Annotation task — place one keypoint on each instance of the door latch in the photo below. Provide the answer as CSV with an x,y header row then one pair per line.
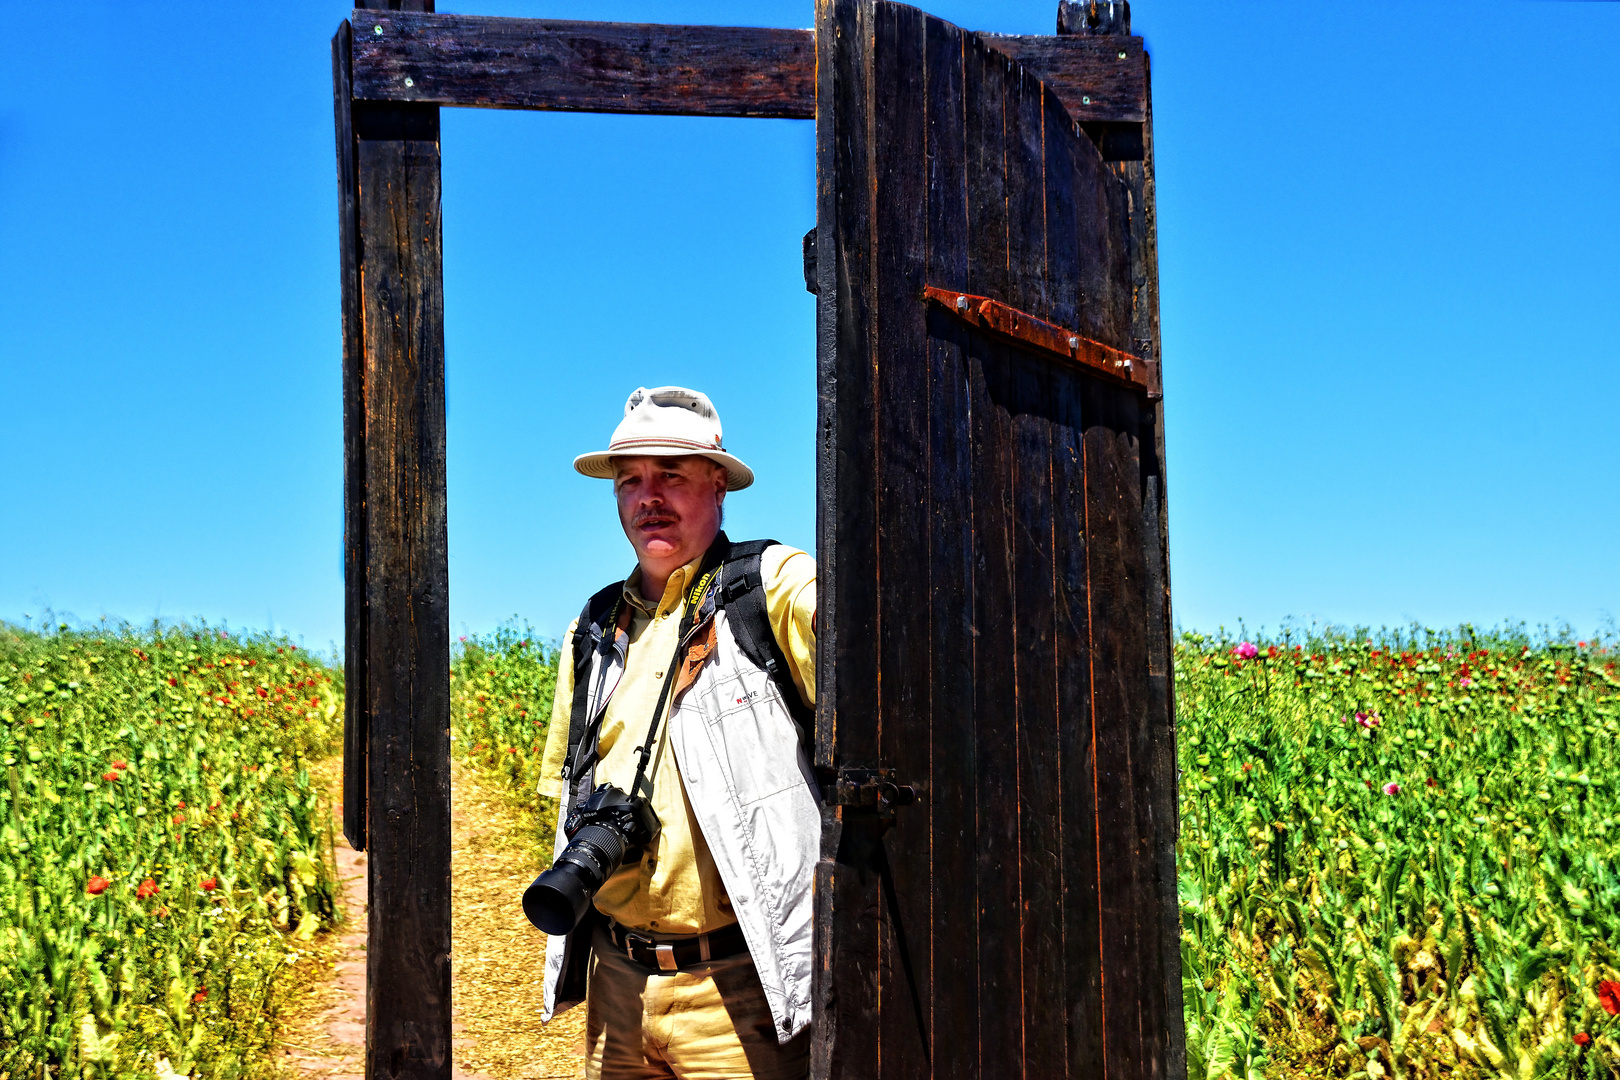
x,y
873,790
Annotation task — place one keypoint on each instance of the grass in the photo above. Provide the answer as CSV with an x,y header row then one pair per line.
x,y
1398,856
163,852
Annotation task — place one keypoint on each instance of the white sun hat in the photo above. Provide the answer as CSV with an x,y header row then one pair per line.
x,y
667,421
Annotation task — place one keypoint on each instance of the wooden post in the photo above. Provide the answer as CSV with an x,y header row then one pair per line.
x,y
397,775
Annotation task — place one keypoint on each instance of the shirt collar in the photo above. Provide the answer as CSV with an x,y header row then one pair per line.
x,y
674,589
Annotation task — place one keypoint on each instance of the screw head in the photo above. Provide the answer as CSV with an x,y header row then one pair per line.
x,y
1074,343
409,81
961,303
1085,101
1122,56
376,30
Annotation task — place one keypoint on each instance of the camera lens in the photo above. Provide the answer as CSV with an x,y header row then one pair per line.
x,y
559,898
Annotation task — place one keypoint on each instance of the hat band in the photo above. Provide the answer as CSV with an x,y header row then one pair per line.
x,y
702,448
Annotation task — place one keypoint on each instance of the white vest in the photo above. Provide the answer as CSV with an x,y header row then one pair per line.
x,y
754,795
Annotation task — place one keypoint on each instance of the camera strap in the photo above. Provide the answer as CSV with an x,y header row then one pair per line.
x,y
695,603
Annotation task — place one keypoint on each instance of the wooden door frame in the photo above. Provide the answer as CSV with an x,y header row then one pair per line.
x,y
395,63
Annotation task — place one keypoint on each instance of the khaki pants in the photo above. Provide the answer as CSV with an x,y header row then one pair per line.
x,y
706,1022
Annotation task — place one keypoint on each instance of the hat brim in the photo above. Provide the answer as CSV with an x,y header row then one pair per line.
x,y
600,466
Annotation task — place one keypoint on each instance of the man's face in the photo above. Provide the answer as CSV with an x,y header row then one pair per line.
x,y
669,507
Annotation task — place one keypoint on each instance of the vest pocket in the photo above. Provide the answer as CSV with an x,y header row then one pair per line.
x,y
753,736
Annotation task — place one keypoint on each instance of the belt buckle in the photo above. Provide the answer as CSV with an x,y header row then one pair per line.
x,y
666,958
633,939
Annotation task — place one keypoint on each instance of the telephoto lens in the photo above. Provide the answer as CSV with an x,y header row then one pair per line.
x,y
610,827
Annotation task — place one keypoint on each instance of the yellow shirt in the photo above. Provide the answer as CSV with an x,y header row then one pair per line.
x,y
675,888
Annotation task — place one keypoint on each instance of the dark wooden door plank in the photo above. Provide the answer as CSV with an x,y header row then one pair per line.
x,y
953,788
507,63
1040,779
848,893
900,362
1118,651
1071,649
1001,1035
985,131
1025,189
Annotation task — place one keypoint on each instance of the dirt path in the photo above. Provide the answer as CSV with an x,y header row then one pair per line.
x,y
497,968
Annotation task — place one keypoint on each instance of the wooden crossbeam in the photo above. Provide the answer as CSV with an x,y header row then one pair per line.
x,y
503,63
549,64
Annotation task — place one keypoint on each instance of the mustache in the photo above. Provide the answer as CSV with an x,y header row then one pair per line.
x,y
644,516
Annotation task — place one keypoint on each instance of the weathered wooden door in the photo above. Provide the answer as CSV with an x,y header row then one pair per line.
x,y
994,621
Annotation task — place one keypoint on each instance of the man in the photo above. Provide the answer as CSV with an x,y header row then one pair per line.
x,y
699,965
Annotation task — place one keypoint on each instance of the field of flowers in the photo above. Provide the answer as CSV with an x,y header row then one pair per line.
x,y
164,854
501,687
1399,857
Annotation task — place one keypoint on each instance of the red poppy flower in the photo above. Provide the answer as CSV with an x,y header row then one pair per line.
x,y
1608,993
96,885
202,993
111,777
263,692
173,683
146,889
209,884
179,819
1582,1038
182,804
120,764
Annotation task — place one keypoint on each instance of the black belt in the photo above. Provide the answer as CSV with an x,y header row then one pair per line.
x,y
680,952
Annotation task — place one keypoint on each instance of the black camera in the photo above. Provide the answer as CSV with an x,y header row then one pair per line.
x,y
605,831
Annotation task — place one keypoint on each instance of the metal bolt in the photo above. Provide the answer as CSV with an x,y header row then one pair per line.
x,y
1122,56
961,303
409,81
1074,343
1085,101
376,30
1127,367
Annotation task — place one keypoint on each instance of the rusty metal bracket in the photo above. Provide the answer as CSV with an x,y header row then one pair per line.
x,y
1060,342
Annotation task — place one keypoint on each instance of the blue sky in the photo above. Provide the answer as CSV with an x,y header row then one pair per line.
x,y
1387,258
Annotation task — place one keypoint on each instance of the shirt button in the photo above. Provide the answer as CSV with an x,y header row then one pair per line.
x,y
658,674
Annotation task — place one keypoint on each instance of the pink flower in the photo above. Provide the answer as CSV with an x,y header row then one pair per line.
x,y
1245,651
1392,788
1465,681
1367,720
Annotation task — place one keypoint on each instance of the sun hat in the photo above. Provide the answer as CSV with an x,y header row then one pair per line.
x,y
667,421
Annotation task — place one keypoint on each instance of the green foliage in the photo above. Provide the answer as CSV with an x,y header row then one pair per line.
x,y
1399,857
162,848
502,685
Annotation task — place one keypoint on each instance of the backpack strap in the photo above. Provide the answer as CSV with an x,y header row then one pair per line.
x,y
742,594
590,634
